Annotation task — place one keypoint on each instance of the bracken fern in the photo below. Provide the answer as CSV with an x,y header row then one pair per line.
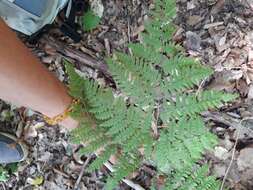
x,y
157,84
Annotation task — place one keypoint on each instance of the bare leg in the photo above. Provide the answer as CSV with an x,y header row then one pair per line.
x,y
24,81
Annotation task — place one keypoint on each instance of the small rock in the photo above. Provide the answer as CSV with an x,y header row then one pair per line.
x,y
227,143
193,41
225,80
221,153
248,124
30,131
29,113
51,185
191,5
247,178
97,7
82,186
220,129
245,159
45,157
219,170
32,170
242,133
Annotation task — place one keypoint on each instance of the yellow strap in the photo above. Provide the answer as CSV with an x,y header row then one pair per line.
x,y
59,118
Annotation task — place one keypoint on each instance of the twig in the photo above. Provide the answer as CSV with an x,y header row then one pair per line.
x,y
2,184
128,30
200,86
155,125
221,118
77,55
126,181
82,172
233,154
60,173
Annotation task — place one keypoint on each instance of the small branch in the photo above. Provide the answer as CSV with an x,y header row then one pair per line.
x,y
60,173
232,159
233,153
77,55
221,118
3,186
82,172
155,124
200,88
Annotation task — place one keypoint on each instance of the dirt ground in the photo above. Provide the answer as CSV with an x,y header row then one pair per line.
x,y
218,32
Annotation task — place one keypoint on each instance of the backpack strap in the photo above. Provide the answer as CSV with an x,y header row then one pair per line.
x,y
69,27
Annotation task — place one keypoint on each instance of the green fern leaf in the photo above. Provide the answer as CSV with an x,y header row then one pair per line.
x,y
181,144
135,78
190,105
187,180
98,163
180,78
76,83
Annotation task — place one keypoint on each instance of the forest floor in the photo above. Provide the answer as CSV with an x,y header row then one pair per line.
x,y
218,32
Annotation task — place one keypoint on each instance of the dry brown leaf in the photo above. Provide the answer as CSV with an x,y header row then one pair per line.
x,y
242,87
194,19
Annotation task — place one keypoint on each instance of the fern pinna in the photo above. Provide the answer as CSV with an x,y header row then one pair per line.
x,y
157,111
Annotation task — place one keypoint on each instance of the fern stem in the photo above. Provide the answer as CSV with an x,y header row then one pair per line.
x,y
126,181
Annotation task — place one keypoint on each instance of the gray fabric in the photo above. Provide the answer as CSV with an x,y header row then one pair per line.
x,y
9,153
36,7
26,22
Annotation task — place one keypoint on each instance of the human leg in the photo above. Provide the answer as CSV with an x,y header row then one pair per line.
x,y
24,81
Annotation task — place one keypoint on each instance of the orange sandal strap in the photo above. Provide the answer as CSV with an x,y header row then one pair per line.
x,y
59,118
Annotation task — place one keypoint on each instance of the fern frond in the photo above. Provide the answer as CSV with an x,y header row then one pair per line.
x,y
141,127
135,77
181,144
171,49
96,144
190,105
102,158
196,180
76,83
184,73
142,70
82,134
165,10
145,53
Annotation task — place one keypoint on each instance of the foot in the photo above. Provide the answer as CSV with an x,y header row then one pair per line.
x,y
11,150
69,123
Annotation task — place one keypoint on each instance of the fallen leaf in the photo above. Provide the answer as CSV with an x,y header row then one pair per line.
x,y
242,87
37,181
194,19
